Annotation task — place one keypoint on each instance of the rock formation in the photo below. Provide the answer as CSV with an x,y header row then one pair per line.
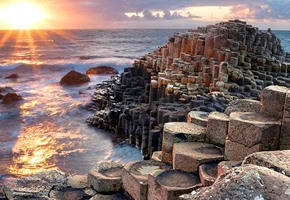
x,y
74,78
101,70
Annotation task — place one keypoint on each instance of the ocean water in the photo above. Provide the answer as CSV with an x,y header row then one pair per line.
x,y
47,129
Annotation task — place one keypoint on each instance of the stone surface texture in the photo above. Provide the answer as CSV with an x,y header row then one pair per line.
x,y
188,156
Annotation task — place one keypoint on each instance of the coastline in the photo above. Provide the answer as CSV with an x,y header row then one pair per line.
x,y
189,75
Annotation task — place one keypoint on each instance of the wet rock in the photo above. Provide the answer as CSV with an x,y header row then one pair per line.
x,y
12,76
106,177
37,186
169,185
135,177
247,182
275,160
11,97
74,78
187,156
101,70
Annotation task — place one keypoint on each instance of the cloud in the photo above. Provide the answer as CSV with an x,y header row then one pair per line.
x,y
263,9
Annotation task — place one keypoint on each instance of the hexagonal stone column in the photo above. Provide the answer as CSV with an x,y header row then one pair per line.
x,y
106,177
169,185
188,156
135,177
198,117
217,128
175,132
273,100
208,173
251,132
285,131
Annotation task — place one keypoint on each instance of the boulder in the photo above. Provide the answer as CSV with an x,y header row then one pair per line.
x,y
102,70
74,78
247,182
37,186
11,97
275,160
12,76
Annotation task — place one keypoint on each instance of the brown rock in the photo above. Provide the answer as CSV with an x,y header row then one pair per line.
x,y
226,166
273,100
108,197
102,70
12,76
11,97
135,177
188,156
175,132
243,105
208,173
198,117
77,181
247,182
285,130
157,156
169,185
275,160
106,177
217,128
251,132
74,78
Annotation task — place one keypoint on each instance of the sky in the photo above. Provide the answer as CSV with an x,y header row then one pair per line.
x,y
172,14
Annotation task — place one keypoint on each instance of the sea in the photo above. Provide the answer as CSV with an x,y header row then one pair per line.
x,y
47,130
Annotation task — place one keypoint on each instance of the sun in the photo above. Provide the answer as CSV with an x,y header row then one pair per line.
x,y
22,15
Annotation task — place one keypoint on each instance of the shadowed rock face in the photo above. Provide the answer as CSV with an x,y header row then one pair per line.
x,y
101,70
247,182
11,97
74,78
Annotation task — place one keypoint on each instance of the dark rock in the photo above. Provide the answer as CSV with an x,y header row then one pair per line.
x,y
109,197
12,76
101,70
11,97
74,78
37,186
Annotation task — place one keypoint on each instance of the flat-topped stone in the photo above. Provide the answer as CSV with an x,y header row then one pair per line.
x,y
175,132
77,181
157,156
273,100
188,156
169,185
106,177
276,160
250,132
208,173
109,197
243,105
217,128
135,177
198,117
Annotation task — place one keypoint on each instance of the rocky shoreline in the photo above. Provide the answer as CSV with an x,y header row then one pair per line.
x,y
210,109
